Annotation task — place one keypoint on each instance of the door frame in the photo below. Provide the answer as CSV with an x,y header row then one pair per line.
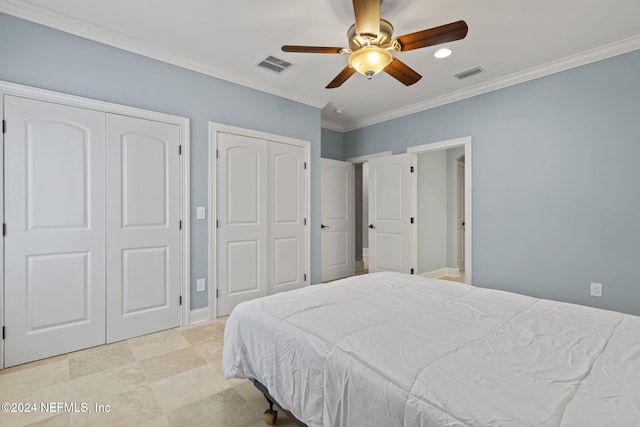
x,y
214,130
8,88
468,214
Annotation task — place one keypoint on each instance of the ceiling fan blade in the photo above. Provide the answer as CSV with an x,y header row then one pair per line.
x,y
402,72
311,49
367,14
341,78
433,36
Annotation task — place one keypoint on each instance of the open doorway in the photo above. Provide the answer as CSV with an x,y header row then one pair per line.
x,y
442,210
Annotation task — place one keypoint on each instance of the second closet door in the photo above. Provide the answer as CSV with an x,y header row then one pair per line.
x,y
143,227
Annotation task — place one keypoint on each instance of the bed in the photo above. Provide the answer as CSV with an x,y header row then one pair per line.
x,y
389,349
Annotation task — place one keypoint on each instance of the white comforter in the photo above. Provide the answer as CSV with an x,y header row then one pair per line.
x,y
389,349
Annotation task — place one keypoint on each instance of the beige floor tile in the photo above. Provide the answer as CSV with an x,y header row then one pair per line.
x,y
30,365
101,386
156,344
188,387
258,404
213,330
226,408
211,350
160,421
20,384
170,364
63,420
130,408
89,362
39,395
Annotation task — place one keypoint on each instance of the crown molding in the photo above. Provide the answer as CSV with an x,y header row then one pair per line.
x,y
593,55
78,27
326,124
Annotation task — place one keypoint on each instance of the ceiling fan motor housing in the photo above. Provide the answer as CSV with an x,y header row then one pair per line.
x,y
383,40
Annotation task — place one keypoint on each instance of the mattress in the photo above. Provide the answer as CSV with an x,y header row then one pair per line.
x,y
389,349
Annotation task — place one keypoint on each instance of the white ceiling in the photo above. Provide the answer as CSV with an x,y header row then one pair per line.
x,y
513,40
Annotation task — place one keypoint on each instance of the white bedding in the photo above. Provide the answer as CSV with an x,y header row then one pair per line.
x,y
390,349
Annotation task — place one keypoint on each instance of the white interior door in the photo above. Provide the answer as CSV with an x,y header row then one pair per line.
x,y
287,212
143,229
390,214
242,220
337,222
54,211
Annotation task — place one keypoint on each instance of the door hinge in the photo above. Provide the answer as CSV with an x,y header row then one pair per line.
x,y
180,299
411,220
180,224
3,333
305,165
412,271
217,223
217,153
217,294
305,221
4,126
180,150
305,277
412,169
4,229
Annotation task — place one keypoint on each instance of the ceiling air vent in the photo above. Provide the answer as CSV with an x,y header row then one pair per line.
x,y
470,72
274,64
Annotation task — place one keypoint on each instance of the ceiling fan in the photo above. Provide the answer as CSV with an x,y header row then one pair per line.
x,y
371,43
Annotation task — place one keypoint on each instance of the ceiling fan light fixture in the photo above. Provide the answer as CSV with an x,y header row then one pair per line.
x,y
370,60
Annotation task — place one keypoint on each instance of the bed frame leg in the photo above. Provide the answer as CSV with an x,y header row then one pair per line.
x,y
270,415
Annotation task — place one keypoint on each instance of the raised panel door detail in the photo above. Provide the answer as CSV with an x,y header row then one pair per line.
x,y
390,252
144,181
57,175
145,284
243,267
243,187
336,179
338,242
287,189
60,279
389,182
287,254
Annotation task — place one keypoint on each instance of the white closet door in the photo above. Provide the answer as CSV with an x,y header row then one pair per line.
x,y
389,214
337,221
242,220
287,242
143,229
55,261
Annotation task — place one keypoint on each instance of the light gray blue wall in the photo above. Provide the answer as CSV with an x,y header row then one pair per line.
x,y
555,180
431,223
42,57
332,145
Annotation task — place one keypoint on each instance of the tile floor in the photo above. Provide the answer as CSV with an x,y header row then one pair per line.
x,y
170,378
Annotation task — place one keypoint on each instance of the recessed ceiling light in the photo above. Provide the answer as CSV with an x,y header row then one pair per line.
x,y
442,53
338,111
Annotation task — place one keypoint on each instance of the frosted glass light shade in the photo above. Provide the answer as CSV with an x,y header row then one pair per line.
x,y
369,61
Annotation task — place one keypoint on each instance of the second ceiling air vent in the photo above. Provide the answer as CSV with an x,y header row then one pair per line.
x,y
470,72
274,64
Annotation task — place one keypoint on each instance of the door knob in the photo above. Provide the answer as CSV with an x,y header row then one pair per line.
x,y
371,226
322,226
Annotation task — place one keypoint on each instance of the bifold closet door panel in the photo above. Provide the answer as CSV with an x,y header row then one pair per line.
x,y
242,258
143,227
55,215
287,237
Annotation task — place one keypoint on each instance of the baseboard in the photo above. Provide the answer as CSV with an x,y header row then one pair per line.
x,y
359,266
446,271
200,315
